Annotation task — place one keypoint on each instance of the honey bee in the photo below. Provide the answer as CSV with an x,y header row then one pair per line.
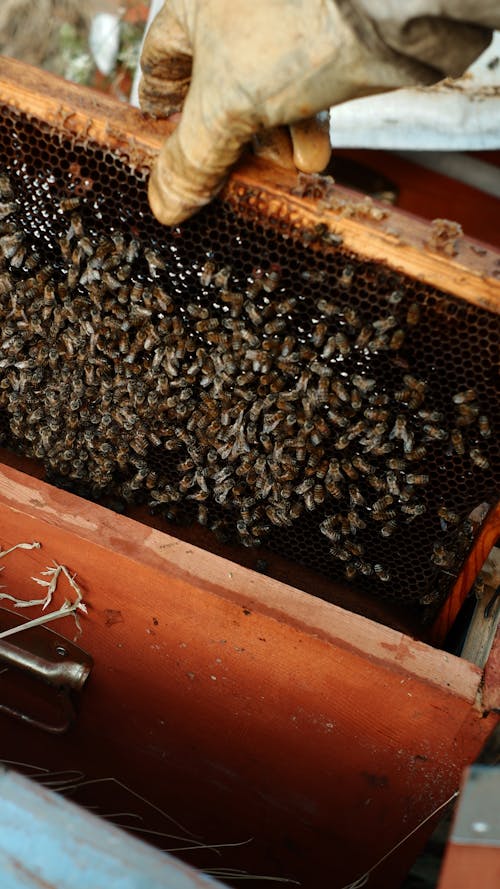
x,y
347,276
355,496
382,503
397,339
484,426
381,573
364,336
356,523
328,308
221,278
383,325
69,203
417,453
465,397
350,571
417,479
479,459
364,384
351,316
342,343
338,552
467,413
448,516
413,315
412,510
435,433
271,281
378,344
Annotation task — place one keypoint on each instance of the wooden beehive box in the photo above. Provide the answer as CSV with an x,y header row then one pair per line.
x,y
243,706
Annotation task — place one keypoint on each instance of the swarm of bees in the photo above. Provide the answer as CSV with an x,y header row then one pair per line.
x,y
223,402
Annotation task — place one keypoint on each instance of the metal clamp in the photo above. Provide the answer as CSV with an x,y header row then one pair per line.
x,y
43,662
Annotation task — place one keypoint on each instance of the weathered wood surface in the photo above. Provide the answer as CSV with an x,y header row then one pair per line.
x,y
243,706
48,842
401,241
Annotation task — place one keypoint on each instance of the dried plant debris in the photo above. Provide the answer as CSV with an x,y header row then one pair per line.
x,y
224,405
68,607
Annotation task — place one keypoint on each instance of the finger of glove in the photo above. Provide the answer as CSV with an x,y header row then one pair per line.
x,y
193,162
166,63
275,145
311,144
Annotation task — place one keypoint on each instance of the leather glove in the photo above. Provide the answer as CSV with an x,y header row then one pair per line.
x,y
238,69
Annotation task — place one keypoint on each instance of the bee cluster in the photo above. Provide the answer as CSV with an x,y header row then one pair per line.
x,y
224,402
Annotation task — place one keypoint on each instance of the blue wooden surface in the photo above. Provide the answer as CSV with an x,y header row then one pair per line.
x,y
46,841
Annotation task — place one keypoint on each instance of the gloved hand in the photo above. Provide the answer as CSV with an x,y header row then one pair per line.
x,y
237,69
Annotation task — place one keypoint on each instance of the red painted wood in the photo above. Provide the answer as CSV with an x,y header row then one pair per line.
x,y
243,706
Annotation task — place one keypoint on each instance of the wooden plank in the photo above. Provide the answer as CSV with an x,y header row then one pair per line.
x,y
245,706
467,867
400,241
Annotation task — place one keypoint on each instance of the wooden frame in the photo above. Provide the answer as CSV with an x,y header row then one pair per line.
x,y
245,707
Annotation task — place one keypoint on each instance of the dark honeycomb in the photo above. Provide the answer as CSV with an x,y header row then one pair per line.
x,y
240,373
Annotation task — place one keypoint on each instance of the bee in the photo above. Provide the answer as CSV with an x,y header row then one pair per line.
x,y
412,510
328,308
383,325
364,567
392,484
378,344
330,348
347,276
465,397
351,316
484,426
360,463
350,571
417,453
447,517
6,192
69,203
396,340
442,557
417,479
431,416
381,573
378,415
364,384
435,433
275,326
382,503
356,523
342,343
355,548
10,244
221,278
396,464
8,209
364,336
340,390
413,315
338,552
478,458
154,262
467,414
271,281
318,334
355,496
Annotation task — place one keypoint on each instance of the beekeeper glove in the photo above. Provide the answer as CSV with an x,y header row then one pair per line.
x,y
236,69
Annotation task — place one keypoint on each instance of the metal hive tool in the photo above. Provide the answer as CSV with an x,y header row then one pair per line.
x,y
290,368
